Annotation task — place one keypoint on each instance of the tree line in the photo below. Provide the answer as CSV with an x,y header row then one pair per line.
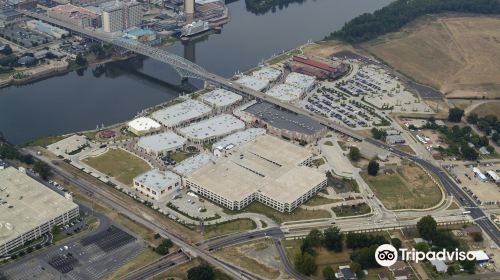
x,y
400,12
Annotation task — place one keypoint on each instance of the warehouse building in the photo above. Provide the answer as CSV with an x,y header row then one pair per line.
x,y
75,15
28,209
395,139
253,83
143,125
281,122
157,184
221,99
304,82
182,113
267,73
194,163
285,92
235,140
70,145
162,143
212,129
259,171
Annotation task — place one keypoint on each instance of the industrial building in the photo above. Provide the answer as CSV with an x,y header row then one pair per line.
x,y
162,143
479,174
119,16
212,129
493,176
281,122
285,92
267,73
144,36
29,209
221,99
259,171
395,139
182,113
253,83
69,146
317,68
143,125
235,140
75,15
304,82
47,29
157,184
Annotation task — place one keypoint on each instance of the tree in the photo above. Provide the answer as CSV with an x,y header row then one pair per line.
x,y
378,133
305,263
164,247
333,239
495,137
422,247
80,60
455,114
329,273
354,154
472,118
7,50
43,169
373,168
55,230
469,266
469,153
477,237
427,227
316,237
201,272
396,242
356,268
365,257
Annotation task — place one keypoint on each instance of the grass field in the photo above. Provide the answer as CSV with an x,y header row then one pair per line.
x,y
45,141
406,148
408,188
229,227
179,156
346,211
318,162
180,272
119,164
458,55
320,200
489,108
296,215
145,257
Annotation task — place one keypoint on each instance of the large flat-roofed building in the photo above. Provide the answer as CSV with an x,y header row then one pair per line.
x,y
182,113
75,15
221,99
281,122
267,73
28,209
285,92
269,170
253,83
143,125
70,145
157,184
47,29
162,143
212,129
235,140
194,163
304,82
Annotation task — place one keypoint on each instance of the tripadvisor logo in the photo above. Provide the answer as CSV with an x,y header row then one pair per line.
x,y
387,255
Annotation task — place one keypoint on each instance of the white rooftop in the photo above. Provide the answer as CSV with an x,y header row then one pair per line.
x,y
220,98
165,141
179,113
68,145
301,81
267,165
143,124
191,164
239,138
28,204
480,255
285,92
253,82
267,73
219,125
158,180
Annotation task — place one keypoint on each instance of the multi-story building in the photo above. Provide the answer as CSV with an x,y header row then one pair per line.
x,y
269,170
119,16
162,143
157,184
29,209
75,15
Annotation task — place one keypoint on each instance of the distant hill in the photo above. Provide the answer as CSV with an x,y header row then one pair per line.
x,y
400,12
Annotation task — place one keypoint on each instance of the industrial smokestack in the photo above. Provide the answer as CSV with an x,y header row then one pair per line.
x,y
189,10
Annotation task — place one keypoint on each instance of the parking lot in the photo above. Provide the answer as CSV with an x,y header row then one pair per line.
x,y
486,193
91,257
24,37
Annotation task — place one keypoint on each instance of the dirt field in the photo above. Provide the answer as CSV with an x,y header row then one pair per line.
x,y
459,55
491,108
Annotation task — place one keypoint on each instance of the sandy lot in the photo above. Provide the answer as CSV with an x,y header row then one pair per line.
x,y
459,55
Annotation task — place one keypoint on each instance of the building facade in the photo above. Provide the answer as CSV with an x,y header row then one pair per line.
x,y
157,184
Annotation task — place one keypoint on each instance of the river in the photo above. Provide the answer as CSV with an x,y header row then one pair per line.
x,y
81,101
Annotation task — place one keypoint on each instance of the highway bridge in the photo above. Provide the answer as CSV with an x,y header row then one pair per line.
x,y
186,68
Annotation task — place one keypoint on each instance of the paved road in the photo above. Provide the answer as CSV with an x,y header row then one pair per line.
x,y
158,266
287,266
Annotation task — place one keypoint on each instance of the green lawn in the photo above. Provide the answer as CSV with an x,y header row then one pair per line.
x,y
119,164
329,143
405,148
179,156
296,215
320,200
318,162
45,141
229,227
346,211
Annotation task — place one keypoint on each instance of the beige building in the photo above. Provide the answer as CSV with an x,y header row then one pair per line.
x,y
29,209
119,16
157,184
269,170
